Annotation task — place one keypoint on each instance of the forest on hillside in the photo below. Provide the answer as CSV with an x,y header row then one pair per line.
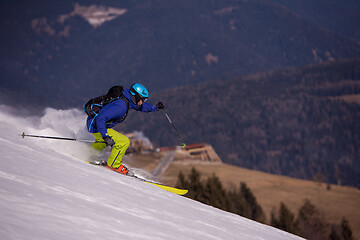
x,y
308,222
299,122
51,56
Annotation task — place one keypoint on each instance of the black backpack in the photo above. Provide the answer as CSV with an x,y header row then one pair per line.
x,y
93,106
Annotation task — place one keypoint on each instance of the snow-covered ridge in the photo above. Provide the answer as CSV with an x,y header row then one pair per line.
x,y
49,192
95,15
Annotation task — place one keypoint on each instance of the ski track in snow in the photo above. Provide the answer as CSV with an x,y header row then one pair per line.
x,y
47,191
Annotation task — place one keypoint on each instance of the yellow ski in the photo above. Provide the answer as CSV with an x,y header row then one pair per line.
x,y
166,188
169,189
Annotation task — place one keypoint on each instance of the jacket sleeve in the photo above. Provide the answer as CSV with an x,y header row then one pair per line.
x,y
147,107
101,124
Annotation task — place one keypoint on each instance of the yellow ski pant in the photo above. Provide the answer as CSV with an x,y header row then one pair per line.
x,y
118,150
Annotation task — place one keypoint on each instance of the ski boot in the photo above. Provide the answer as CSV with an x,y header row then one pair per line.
x,y
121,169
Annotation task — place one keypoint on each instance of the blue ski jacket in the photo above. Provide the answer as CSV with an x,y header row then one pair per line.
x,y
114,113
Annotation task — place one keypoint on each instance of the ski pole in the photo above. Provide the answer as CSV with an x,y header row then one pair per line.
x,y
57,138
182,144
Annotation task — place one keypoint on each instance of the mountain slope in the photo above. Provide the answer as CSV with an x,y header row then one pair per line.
x,y
337,16
299,122
163,44
47,192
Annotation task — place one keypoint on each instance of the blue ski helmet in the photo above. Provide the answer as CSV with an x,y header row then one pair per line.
x,y
139,92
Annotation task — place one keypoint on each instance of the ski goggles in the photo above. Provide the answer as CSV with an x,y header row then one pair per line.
x,y
138,97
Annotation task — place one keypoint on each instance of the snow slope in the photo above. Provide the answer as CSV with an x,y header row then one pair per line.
x,y
48,192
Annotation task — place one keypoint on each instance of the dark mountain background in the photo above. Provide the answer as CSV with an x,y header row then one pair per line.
x,y
162,43
337,16
299,122
266,82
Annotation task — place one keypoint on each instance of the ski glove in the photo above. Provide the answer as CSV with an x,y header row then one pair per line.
x,y
160,105
109,141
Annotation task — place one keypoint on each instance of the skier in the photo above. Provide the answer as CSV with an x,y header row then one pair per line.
x,y
113,113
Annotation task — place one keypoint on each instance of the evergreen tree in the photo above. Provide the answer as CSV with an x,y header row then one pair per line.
x,y
238,204
211,192
311,221
333,235
253,209
181,182
196,186
215,195
193,184
346,230
286,220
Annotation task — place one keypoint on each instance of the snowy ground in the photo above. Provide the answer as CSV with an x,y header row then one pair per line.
x,y
48,192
